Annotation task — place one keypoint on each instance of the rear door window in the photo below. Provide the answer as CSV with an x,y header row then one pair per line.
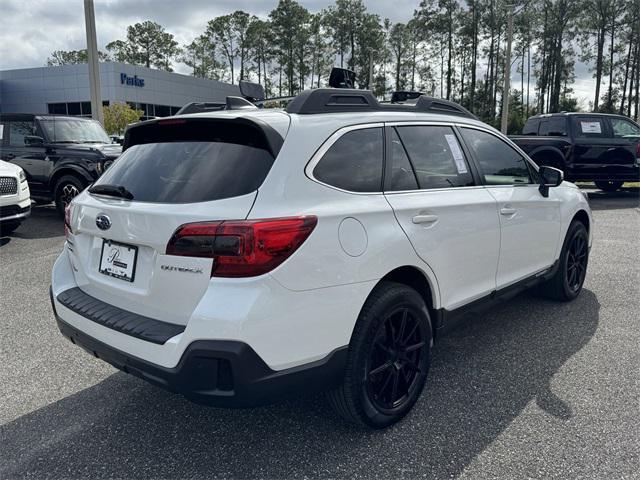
x,y
436,156
354,162
191,162
402,174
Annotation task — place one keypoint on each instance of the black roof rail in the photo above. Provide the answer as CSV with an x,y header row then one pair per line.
x,y
439,105
328,100
333,100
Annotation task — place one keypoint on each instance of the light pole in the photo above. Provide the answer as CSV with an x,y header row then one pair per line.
x,y
92,57
507,71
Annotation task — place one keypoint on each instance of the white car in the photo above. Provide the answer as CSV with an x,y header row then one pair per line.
x,y
245,255
15,199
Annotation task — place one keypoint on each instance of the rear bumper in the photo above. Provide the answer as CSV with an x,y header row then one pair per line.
x,y
222,373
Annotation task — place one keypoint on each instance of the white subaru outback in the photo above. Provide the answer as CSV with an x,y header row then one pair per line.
x,y
242,256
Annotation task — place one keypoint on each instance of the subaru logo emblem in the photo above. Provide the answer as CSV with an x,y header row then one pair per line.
x,y
103,222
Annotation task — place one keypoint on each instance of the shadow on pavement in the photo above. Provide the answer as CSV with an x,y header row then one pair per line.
x,y
626,197
44,222
484,374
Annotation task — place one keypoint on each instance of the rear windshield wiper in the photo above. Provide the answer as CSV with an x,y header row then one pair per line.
x,y
112,191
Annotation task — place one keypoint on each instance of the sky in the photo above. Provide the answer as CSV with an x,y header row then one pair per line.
x,y
31,29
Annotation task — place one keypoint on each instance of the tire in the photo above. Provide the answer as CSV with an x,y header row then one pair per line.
x,y
8,228
66,188
389,358
608,186
566,284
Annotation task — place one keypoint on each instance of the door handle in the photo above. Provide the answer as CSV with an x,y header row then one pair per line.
x,y
507,211
425,218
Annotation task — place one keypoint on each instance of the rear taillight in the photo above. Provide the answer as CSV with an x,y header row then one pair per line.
x,y
242,248
638,151
68,211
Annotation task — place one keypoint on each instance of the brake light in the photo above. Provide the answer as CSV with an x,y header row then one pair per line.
x,y
638,150
68,212
242,248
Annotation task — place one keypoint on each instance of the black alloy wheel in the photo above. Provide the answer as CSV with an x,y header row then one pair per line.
x,y
394,367
566,283
576,267
389,358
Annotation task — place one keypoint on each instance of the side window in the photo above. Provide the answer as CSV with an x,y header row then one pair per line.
x,y
554,127
436,156
402,175
585,127
624,128
354,162
531,127
18,130
499,163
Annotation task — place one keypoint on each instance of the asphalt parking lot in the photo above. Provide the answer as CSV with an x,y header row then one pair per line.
x,y
532,389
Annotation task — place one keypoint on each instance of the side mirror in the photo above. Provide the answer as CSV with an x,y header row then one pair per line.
x,y
33,140
549,177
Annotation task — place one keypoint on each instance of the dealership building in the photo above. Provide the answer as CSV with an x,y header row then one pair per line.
x,y
65,90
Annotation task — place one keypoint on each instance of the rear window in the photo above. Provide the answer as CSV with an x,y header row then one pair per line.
x,y
191,162
553,126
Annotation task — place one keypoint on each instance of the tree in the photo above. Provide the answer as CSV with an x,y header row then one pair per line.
x,y
399,42
147,44
118,115
287,20
229,33
259,49
72,57
200,56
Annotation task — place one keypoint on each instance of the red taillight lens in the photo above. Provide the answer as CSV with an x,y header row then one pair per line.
x,y
68,210
638,150
243,248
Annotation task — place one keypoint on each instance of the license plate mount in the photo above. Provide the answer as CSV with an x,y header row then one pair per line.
x,y
118,260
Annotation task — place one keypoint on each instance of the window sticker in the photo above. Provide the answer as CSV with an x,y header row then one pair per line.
x,y
457,153
590,127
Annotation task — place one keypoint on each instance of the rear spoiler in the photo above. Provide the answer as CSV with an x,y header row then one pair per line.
x,y
262,134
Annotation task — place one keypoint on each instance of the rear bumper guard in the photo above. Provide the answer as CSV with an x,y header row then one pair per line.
x,y
224,373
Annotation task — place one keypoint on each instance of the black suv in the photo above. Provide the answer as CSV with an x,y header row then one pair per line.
x,y
595,147
59,155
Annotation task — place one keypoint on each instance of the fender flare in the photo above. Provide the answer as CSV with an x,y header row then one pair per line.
x,y
69,169
548,149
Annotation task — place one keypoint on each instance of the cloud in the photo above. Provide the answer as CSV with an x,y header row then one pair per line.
x,y
30,31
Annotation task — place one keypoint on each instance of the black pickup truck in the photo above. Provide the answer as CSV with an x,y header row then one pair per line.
x,y
60,155
597,147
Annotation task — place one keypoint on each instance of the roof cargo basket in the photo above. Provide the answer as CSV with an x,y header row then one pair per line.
x,y
332,100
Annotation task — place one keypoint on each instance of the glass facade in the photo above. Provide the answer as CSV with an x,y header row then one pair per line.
x,y
79,109
83,109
